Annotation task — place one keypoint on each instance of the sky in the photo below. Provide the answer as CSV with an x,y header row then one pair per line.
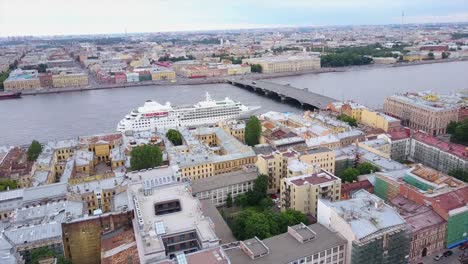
x,y
66,17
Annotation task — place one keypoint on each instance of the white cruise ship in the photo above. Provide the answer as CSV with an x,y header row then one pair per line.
x,y
153,115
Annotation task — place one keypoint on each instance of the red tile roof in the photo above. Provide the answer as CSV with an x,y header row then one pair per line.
x,y
400,134
455,149
352,186
452,200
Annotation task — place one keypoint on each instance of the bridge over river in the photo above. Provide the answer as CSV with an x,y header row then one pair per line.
x,y
286,93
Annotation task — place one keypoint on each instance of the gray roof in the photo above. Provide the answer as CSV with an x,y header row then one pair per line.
x,y
45,192
221,228
285,248
222,180
6,255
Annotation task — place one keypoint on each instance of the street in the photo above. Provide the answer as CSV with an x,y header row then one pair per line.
x,y
444,260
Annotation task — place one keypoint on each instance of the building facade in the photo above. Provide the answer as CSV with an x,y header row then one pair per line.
x,y
302,192
275,166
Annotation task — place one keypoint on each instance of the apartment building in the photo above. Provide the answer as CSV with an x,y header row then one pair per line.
x,y
376,233
428,229
65,79
424,111
162,73
435,153
275,166
323,157
22,80
313,244
217,188
302,192
277,64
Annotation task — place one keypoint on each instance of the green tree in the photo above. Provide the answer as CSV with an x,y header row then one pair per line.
x,y
350,120
461,132
430,56
253,131
459,174
349,175
291,217
229,200
38,254
366,168
8,185
42,67
256,68
259,191
145,157
451,127
34,150
445,55
174,136
241,200
257,225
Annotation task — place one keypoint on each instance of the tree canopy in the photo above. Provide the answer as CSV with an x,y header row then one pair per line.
x,y
253,131
459,174
256,68
174,136
349,175
366,168
350,120
458,131
34,150
145,157
8,185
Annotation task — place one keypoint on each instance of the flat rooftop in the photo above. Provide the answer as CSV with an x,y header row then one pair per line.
x,y
189,218
285,248
314,178
366,214
222,180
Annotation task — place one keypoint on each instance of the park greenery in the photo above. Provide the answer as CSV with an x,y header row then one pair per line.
x,y
175,59
459,174
3,77
343,60
38,254
350,120
253,130
233,59
174,136
34,150
348,56
351,174
258,219
256,68
458,132
145,157
8,185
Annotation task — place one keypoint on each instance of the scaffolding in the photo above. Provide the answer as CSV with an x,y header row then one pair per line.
x,y
391,247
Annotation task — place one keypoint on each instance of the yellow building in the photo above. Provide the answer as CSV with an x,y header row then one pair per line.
x,y
368,117
234,128
162,74
415,56
101,145
378,146
64,79
275,166
323,157
302,192
210,151
236,69
285,64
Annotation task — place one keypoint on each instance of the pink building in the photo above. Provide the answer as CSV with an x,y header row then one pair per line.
x,y
120,78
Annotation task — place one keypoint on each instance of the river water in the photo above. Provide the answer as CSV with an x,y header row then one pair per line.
x,y
68,115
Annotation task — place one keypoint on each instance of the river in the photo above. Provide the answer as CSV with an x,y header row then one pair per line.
x,y
68,115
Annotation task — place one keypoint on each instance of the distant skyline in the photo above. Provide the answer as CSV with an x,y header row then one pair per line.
x,y
69,17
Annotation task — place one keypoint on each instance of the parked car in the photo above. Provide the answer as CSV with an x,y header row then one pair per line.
x,y
448,253
438,257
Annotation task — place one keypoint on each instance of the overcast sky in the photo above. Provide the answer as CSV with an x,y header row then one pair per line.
x,y
58,17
